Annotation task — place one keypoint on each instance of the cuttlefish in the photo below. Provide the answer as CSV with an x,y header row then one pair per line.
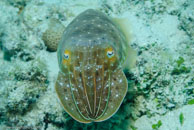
x,y
92,54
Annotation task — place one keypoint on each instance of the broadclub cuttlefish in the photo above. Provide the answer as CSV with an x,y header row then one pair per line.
x,y
92,53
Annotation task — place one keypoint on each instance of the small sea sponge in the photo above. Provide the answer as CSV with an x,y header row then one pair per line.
x,y
53,34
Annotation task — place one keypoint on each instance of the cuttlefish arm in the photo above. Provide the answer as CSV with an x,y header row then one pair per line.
x,y
119,87
118,90
64,93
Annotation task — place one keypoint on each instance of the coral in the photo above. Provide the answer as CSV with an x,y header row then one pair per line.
x,y
23,85
159,88
20,4
149,7
187,20
52,35
15,40
162,81
30,17
27,94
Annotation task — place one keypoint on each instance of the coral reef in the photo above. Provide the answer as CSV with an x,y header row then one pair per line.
x,y
187,20
24,85
162,89
161,84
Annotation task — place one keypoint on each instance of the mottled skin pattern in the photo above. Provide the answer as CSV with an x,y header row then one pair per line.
x,y
91,84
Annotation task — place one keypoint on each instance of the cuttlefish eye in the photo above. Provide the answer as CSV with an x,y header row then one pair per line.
x,y
110,54
66,57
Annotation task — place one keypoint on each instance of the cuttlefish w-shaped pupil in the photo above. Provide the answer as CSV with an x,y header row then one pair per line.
x,y
110,53
66,56
90,69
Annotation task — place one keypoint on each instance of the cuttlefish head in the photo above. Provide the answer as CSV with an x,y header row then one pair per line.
x,y
91,84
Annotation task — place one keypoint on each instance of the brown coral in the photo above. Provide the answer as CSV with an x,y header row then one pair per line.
x,y
52,35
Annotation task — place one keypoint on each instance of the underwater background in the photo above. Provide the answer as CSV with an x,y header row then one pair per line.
x,y
160,87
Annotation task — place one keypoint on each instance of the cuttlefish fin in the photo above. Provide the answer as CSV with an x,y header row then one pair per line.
x,y
131,57
118,90
124,26
63,90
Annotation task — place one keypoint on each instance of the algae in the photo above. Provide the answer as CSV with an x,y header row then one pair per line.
x,y
191,102
157,125
181,118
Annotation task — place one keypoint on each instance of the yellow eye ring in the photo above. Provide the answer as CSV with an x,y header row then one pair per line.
x,y
66,57
110,54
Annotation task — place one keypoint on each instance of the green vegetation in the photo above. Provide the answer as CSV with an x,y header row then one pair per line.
x,y
181,118
191,102
152,0
180,67
180,61
133,128
157,125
